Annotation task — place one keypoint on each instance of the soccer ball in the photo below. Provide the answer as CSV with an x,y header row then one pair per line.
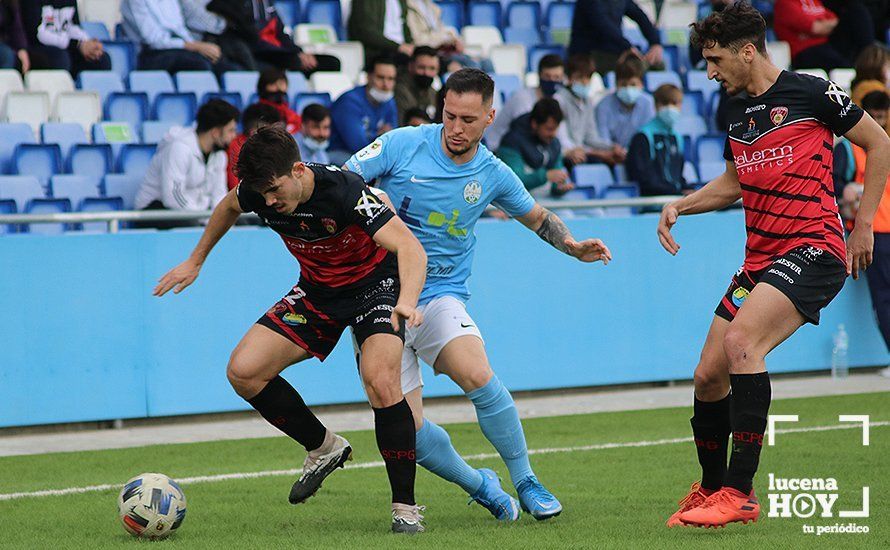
x,y
151,506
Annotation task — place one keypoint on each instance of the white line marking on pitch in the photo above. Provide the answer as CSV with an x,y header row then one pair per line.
x,y
378,464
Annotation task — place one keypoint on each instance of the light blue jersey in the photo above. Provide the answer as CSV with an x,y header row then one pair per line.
x,y
440,200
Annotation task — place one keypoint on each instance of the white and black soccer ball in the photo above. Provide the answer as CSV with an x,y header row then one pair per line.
x,y
151,506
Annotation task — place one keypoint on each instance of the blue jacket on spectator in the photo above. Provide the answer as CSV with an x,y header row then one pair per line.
x,y
357,122
655,160
596,26
618,123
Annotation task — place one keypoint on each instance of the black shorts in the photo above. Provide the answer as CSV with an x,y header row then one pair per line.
x,y
810,277
314,317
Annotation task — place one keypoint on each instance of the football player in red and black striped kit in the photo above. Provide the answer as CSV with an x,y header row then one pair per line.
x,y
360,266
778,161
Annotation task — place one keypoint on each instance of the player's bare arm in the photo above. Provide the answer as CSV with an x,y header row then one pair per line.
x,y
223,218
719,193
860,244
395,237
553,230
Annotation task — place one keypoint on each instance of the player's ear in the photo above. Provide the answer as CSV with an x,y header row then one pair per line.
x,y
490,117
298,168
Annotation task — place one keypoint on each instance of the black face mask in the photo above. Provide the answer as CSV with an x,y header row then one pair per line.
x,y
217,147
422,82
274,97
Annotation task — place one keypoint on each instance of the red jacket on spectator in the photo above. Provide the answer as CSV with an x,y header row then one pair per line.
x,y
294,122
233,152
793,22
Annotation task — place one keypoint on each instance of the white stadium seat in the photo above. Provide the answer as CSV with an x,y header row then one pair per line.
x,y
84,108
779,53
482,36
677,15
10,81
334,83
106,11
51,82
508,59
32,108
843,77
351,56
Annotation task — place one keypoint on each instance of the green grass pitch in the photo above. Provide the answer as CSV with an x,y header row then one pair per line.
x,y
613,497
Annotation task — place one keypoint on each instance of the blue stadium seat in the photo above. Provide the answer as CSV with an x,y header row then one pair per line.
x,y
452,13
40,161
710,170
134,160
524,14
74,188
243,82
609,80
21,189
153,131
690,172
99,204
122,54
96,29
177,108
535,54
304,99
674,60
693,104
596,176
104,82
129,107
709,148
526,36
325,12
654,79
197,82
48,206
288,11
689,149
8,206
692,126
94,160
65,134
620,192
506,84
124,186
635,36
620,174
698,80
152,83
13,134
559,15
484,12
232,98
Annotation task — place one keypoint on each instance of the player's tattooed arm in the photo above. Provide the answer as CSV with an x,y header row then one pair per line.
x,y
553,230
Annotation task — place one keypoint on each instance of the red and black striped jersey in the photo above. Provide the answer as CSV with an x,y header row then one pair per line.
x,y
331,233
781,144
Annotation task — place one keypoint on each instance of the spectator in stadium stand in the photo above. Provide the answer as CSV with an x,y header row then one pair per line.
x,y
315,136
253,118
620,114
188,171
213,28
655,156
381,27
257,22
56,41
363,113
551,75
13,42
880,17
596,29
158,27
427,29
578,134
872,72
414,87
534,154
823,35
272,89
416,117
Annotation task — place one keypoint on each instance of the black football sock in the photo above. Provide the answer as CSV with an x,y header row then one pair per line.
x,y
751,394
711,429
281,405
394,427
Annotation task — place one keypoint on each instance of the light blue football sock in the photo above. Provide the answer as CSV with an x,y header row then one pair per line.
x,y
499,421
436,453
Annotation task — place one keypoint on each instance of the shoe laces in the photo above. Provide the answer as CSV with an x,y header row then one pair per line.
x,y
534,488
310,465
720,497
690,498
410,514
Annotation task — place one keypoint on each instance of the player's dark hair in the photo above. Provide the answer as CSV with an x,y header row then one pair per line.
x,y
550,61
870,64
315,112
629,67
667,94
732,28
580,63
382,59
546,109
420,51
269,76
471,81
214,114
876,101
268,154
259,114
415,112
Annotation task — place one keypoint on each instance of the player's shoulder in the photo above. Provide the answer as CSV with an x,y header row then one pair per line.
x,y
333,177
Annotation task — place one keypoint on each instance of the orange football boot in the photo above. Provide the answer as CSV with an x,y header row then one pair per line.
x,y
727,505
695,497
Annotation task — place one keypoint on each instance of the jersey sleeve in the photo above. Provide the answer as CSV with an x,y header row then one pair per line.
x,y
727,151
375,160
247,199
512,197
833,107
362,206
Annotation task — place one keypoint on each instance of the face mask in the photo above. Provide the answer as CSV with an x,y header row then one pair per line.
x,y
314,144
275,97
548,87
422,81
669,116
378,95
629,94
580,90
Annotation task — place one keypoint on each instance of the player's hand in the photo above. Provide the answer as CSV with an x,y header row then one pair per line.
x,y
669,215
590,250
860,245
412,316
178,278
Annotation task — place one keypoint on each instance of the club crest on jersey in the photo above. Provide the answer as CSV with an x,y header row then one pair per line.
x,y
836,94
371,151
369,205
330,225
778,115
294,319
472,192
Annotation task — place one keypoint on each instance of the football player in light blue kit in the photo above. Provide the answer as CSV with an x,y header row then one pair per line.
x,y
440,179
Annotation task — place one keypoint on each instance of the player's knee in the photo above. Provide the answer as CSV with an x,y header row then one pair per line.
x,y
242,376
383,391
474,379
738,346
709,381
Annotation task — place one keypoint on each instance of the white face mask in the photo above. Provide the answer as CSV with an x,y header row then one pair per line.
x,y
379,96
314,144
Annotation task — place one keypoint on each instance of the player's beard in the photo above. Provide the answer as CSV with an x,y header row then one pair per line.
x,y
459,152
